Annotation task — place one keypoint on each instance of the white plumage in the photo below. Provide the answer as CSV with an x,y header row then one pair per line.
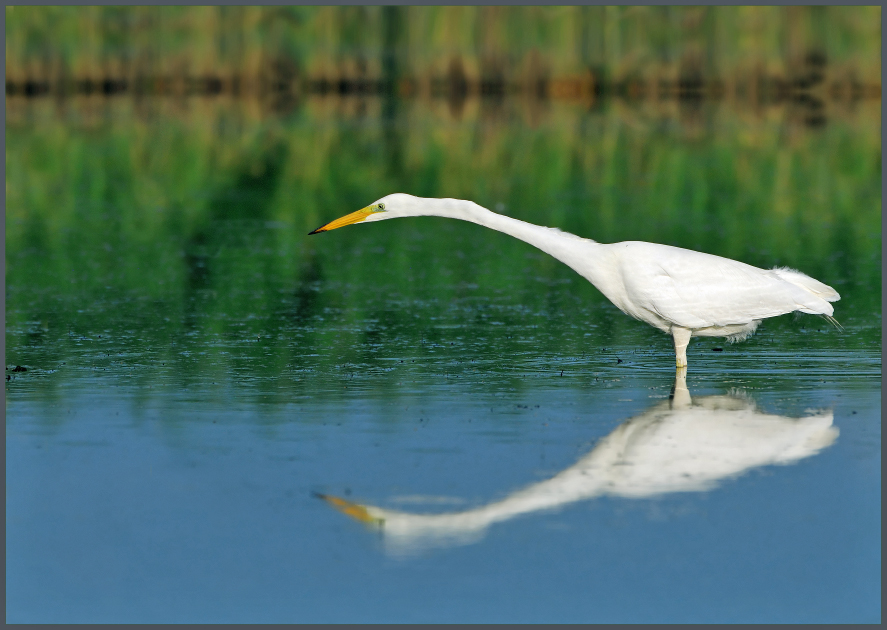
x,y
678,445
679,291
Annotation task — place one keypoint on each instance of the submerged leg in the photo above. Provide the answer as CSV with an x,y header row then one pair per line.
x,y
680,395
681,339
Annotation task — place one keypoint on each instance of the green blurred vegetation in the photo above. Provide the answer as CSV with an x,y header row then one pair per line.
x,y
166,238
177,246
504,41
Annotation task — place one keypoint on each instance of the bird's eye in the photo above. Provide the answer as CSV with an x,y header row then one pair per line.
x,y
381,206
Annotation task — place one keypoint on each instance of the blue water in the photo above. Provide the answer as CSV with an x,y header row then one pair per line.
x,y
132,503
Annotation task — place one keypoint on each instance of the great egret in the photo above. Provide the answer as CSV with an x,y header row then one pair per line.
x,y
678,291
678,445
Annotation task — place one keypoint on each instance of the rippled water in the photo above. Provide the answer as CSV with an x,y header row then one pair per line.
x,y
217,418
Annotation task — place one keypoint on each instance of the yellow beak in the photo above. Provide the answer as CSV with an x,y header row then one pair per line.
x,y
348,219
354,510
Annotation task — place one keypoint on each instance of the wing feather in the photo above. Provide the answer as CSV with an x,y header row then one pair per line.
x,y
697,290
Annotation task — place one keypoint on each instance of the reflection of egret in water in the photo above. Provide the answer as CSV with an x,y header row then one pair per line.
x,y
680,445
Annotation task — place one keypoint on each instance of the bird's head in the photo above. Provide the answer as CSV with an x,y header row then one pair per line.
x,y
388,207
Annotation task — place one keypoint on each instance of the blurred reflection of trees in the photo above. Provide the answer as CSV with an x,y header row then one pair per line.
x,y
814,62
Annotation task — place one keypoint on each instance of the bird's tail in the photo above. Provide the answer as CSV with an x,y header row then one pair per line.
x,y
807,283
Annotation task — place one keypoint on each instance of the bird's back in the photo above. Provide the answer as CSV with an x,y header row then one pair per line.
x,y
665,285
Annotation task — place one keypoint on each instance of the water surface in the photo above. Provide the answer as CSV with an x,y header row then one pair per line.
x,y
198,371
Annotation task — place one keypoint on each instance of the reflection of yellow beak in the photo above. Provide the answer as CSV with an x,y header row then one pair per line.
x,y
348,219
355,511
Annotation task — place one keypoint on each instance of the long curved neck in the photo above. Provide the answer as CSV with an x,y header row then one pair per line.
x,y
587,257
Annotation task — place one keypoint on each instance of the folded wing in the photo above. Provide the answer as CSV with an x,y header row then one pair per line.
x,y
696,290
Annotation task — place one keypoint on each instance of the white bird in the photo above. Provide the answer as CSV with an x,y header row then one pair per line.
x,y
679,291
678,445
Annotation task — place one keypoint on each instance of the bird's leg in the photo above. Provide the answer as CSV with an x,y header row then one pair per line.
x,y
680,395
681,339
